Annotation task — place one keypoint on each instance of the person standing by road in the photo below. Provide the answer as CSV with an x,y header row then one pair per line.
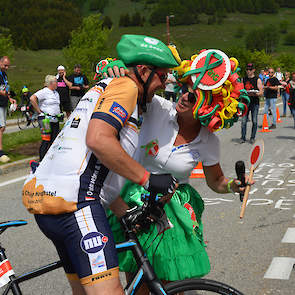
x,y
169,89
271,94
63,90
285,94
254,88
80,83
291,91
46,103
4,98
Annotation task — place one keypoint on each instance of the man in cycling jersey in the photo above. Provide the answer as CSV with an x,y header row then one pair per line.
x,y
79,172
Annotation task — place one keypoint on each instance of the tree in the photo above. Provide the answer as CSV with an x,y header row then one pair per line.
x,y
266,38
284,26
6,45
290,39
107,22
37,24
88,43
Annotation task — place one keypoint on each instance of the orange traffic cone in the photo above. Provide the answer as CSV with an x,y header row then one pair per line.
x,y
278,116
198,171
264,125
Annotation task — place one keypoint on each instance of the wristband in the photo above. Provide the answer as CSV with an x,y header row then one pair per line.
x,y
229,190
144,178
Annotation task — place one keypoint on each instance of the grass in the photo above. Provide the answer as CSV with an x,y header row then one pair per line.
x,y
30,68
14,142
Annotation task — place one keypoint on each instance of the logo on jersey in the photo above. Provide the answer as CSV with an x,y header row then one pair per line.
x,y
93,242
75,122
119,112
98,262
97,89
87,99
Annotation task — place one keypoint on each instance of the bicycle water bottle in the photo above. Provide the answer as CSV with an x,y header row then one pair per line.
x,y
44,122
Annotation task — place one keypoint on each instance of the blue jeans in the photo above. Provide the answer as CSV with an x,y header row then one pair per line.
x,y
293,114
253,108
271,103
285,97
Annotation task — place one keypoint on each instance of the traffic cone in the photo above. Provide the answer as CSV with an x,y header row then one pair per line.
x,y
264,125
278,116
198,171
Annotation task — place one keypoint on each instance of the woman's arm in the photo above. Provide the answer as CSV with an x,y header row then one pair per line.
x,y
34,102
218,182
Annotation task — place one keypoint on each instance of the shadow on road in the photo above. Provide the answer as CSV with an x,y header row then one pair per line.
x,y
286,137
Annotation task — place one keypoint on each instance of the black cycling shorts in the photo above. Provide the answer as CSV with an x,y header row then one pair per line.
x,y
84,242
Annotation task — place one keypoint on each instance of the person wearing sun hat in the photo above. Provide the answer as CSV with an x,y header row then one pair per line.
x,y
188,138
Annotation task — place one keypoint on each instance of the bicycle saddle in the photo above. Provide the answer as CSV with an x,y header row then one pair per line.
x,y
6,224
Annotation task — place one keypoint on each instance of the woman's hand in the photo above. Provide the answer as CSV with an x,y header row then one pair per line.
x,y
236,185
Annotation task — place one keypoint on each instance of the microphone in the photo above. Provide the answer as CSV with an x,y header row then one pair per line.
x,y
240,170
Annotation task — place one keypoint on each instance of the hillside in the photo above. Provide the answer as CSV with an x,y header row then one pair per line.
x,y
30,67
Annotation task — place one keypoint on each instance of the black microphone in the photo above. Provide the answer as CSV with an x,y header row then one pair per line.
x,y
240,170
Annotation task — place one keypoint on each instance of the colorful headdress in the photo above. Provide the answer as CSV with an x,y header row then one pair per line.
x,y
221,97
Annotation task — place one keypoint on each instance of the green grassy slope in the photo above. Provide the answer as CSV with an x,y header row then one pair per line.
x,y
30,67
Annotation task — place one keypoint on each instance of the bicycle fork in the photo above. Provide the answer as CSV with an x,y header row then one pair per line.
x,y
7,274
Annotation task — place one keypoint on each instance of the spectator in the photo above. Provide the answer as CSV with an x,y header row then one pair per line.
x,y
271,94
291,90
254,88
63,90
169,89
285,94
46,103
4,98
262,76
79,85
279,75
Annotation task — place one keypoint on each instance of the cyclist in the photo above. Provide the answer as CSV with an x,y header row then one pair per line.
x,y
79,169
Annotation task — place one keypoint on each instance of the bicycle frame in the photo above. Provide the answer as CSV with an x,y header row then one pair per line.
x,y
145,272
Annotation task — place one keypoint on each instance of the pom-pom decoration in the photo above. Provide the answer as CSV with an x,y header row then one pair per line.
x,y
220,95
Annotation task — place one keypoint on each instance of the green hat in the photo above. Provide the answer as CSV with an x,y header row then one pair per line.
x,y
144,50
25,89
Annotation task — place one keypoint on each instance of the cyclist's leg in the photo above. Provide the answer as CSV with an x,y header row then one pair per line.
x,y
91,248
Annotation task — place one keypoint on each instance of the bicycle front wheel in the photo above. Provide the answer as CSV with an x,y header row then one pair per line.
x,y
200,287
22,121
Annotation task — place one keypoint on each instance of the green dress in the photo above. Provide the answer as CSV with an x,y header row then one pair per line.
x,y
181,253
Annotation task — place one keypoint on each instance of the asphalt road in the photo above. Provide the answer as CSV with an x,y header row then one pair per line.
x,y
255,255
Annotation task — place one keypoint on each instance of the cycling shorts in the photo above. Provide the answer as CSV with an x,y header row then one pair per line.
x,y
84,242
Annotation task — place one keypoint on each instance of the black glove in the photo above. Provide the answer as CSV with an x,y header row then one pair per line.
x,y
136,219
161,183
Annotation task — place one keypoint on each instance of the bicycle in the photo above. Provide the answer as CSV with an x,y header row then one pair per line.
x,y
26,117
145,272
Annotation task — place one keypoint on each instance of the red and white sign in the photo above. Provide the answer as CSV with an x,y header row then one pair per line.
x,y
256,153
213,78
5,272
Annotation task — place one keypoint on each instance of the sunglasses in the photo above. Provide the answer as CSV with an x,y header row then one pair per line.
x,y
162,75
191,96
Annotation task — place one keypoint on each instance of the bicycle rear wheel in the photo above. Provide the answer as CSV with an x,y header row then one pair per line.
x,y
200,287
22,121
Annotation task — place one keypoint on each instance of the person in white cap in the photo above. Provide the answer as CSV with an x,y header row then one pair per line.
x,y
63,89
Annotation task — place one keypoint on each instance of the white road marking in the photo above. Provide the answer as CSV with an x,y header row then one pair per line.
x,y
289,236
13,180
280,268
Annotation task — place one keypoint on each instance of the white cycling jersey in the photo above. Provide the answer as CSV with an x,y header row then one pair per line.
x,y
70,174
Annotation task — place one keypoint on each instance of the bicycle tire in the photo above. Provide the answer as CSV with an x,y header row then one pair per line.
x,y
35,123
22,121
213,287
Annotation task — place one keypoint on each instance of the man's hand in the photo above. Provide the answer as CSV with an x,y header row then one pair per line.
x,y
12,101
161,184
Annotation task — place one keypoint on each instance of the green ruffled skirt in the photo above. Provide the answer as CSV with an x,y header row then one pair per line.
x,y
181,253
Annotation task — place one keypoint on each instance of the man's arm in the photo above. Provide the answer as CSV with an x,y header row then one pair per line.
x,y
102,139
260,87
68,83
